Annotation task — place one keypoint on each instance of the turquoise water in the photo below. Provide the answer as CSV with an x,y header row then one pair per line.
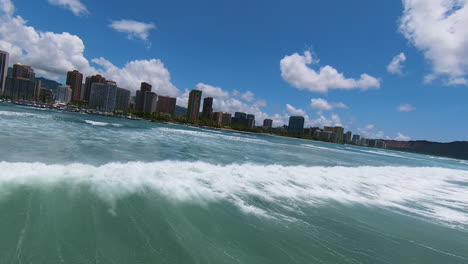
x,y
77,188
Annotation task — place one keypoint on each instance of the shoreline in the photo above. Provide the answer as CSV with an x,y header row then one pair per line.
x,y
105,114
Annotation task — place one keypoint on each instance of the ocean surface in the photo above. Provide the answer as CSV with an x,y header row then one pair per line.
x,y
78,188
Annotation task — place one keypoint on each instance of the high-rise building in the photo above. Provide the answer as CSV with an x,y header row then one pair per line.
x,y
166,104
23,71
194,105
339,131
150,102
372,143
240,115
103,96
46,95
347,137
267,124
122,99
64,94
4,57
145,87
207,108
356,139
141,96
97,96
217,117
380,144
88,83
312,130
296,125
250,120
83,88
364,142
22,84
324,135
243,119
226,119
75,80
22,88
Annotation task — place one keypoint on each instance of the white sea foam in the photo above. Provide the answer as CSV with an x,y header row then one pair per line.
x,y
433,193
384,153
21,114
208,134
318,147
97,123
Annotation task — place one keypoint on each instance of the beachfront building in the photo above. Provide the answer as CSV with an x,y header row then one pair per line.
x,y
141,96
207,108
166,104
64,94
151,100
267,124
194,105
88,84
75,81
122,99
103,96
296,125
4,59
226,119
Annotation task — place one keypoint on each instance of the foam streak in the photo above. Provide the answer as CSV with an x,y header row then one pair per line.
x,y
421,191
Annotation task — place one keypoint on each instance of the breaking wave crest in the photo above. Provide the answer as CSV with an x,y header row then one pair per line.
x,y
21,114
97,123
213,134
436,194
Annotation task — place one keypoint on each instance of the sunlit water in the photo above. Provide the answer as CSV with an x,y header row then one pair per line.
x,y
77,188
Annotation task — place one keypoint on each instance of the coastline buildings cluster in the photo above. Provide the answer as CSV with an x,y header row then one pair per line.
x,y
19,83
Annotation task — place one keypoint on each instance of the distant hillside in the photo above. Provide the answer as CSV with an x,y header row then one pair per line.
x,y
457,149
46,83
180,111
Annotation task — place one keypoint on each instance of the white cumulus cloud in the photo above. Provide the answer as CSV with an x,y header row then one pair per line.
x,y
322,121
396,65
134,72
324,105
402,137
296,72
75,6
7,7
212,91
248,96
53,54
370,131
293,111
405,108
133,29
438,28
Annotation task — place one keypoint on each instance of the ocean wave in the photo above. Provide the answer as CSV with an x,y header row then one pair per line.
x,y
21,114
436,194
385,153
210,134
97,123
318,147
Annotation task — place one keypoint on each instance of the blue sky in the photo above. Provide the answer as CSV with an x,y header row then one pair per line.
x,y
265,57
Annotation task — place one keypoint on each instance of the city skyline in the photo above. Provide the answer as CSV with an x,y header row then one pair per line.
x,y
381,93
109,99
